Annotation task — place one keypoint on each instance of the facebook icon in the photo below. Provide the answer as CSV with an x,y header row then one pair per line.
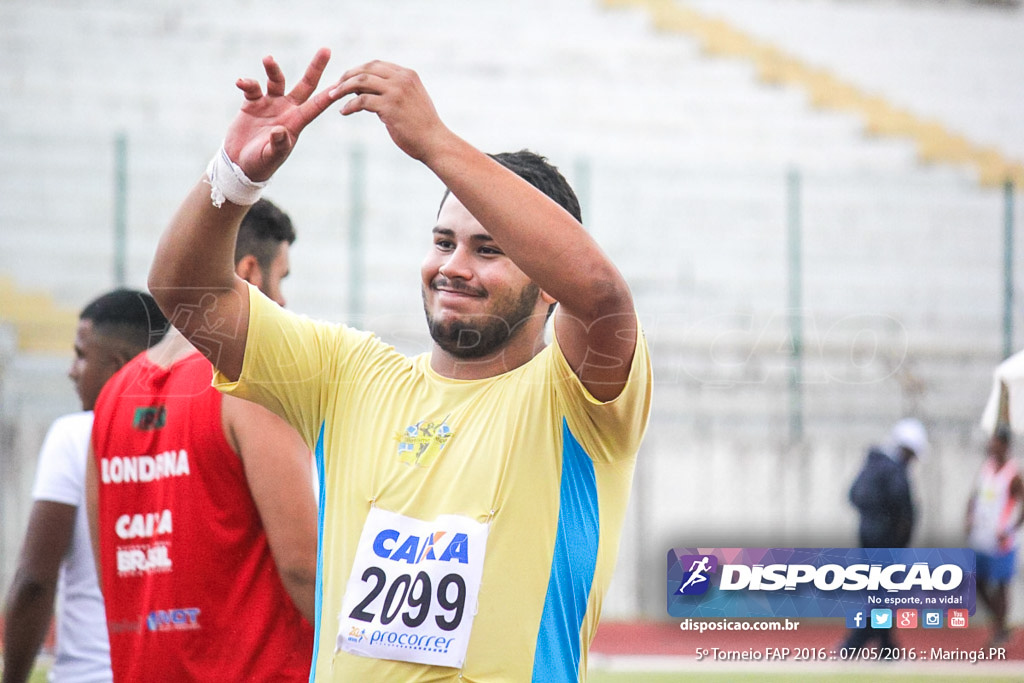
x,y
856,619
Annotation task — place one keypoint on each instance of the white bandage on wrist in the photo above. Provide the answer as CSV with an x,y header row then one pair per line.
x,y
228,181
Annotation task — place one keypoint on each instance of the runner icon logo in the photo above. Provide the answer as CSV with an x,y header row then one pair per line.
x,y
696,579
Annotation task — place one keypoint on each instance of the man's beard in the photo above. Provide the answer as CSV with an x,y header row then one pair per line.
x,y
480,335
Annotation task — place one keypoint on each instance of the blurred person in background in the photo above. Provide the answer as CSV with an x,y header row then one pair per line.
x,y
995,513
56,558
262,249
208,562
882,492
882,495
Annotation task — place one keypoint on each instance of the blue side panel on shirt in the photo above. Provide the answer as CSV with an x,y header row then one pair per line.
x,y
319,453
558,651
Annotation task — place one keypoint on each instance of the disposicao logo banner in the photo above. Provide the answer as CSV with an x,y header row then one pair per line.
x,y
816,582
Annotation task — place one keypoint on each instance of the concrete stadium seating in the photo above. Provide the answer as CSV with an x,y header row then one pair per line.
x,y
680,123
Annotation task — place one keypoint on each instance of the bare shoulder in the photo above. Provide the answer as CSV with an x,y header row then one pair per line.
x,y
241,412
256,432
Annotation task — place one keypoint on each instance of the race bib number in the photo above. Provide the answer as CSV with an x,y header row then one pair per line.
x,y
413,591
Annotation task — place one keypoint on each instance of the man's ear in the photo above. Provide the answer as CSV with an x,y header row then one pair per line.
x,y
248,268
121,353
118,352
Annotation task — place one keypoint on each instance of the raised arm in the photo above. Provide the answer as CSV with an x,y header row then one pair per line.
x,y
277,468
595,323
192,276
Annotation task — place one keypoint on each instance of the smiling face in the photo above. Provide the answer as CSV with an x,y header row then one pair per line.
x,y
475,299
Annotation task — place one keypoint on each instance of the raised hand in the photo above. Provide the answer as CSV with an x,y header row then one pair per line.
x,y
401,102
265,131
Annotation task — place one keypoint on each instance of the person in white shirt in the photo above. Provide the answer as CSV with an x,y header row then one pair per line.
x,y
56,563
995,513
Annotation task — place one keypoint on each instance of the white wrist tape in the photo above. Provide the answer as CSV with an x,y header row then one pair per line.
x,y
228,181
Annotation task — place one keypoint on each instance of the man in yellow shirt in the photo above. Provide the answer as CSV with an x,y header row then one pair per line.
x,y
472,497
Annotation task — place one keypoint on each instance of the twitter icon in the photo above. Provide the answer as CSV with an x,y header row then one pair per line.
x,y
881,618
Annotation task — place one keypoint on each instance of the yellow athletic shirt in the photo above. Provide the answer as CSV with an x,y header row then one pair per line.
x,y
497,503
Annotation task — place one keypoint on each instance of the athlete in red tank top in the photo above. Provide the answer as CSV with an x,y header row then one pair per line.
x,y
192,591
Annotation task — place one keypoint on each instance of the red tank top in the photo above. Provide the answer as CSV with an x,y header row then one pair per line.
x,y
191,589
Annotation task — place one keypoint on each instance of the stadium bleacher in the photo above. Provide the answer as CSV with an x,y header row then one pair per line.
x,y
684,142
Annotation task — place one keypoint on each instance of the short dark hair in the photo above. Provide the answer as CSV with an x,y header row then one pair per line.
x,y
263,230
542,174
128,316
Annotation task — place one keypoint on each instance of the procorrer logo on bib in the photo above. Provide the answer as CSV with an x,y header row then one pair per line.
x,y
816,582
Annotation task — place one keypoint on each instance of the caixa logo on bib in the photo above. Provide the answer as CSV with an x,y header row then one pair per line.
x,y
816,582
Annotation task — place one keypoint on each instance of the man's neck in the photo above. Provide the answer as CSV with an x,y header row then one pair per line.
x,y
172,348
509,357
